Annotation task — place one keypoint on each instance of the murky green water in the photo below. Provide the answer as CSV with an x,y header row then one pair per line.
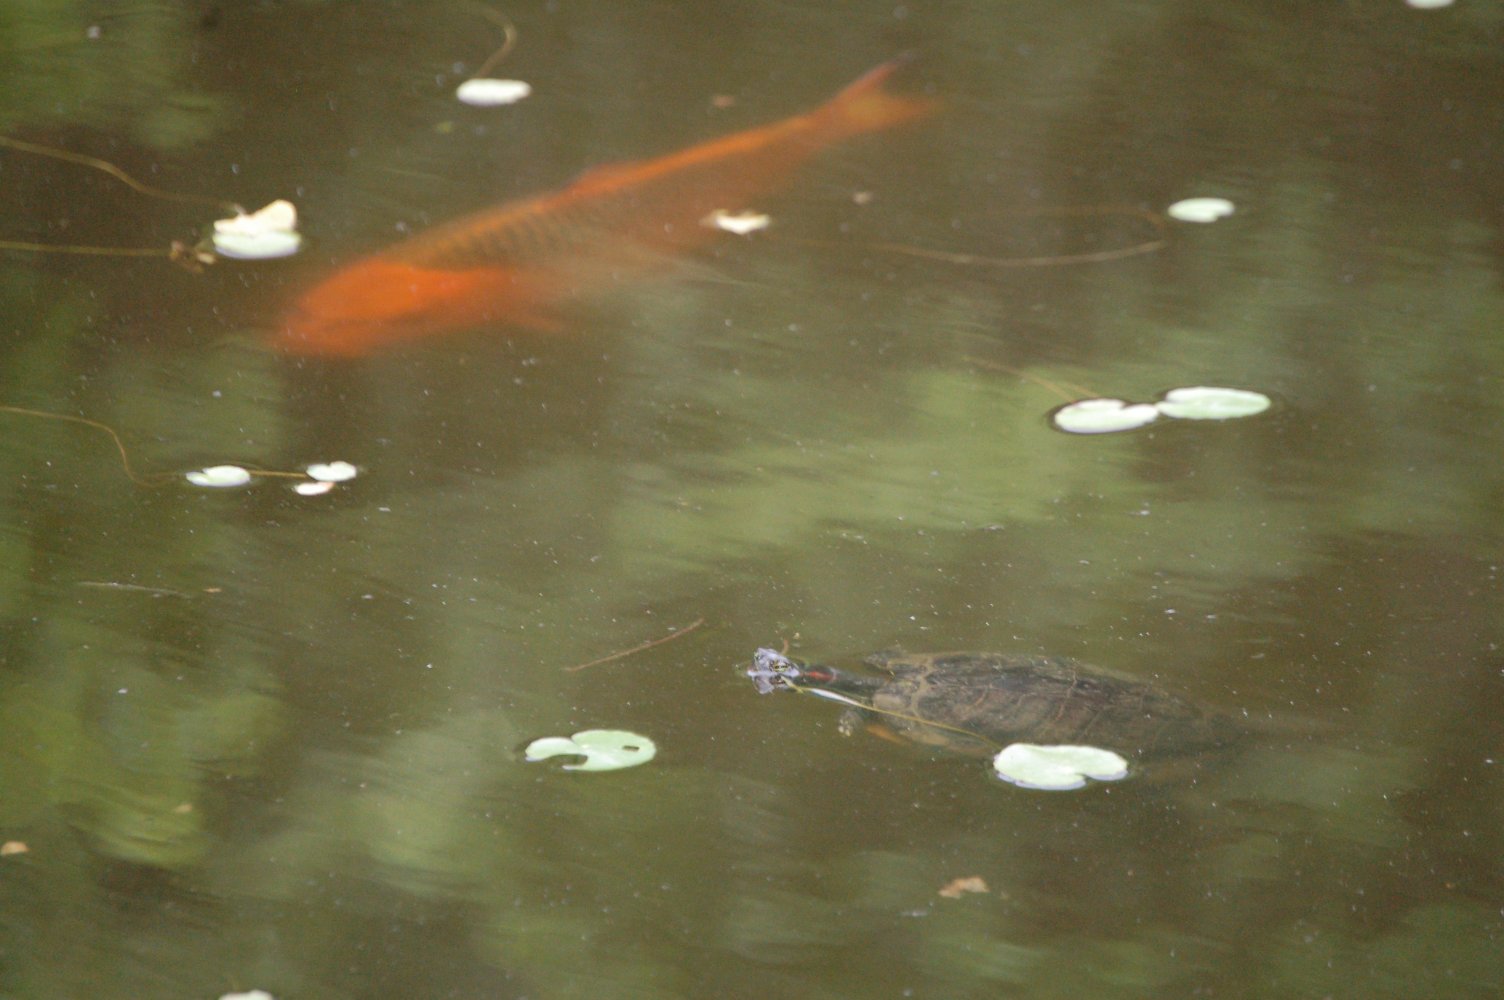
x,y
256,740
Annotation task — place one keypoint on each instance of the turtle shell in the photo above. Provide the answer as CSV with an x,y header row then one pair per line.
x,y
977,703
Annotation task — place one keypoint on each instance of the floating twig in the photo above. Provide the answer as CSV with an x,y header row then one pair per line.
x,y
1159,242
638,648
1058,388
134,588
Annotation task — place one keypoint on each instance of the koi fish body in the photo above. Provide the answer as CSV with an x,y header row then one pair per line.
x,y
518,263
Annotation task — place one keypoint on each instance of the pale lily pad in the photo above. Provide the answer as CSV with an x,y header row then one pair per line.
x,y
332,472
219,476
1103,416
1057,768
317,487
252,995
1210,402
279,217
740,223
257,246
603,749
1200,209
486,93
266,233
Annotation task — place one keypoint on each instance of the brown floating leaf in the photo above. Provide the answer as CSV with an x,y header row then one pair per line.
x,y
958,887
638,648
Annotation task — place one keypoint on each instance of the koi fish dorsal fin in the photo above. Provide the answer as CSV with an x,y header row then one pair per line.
x,y
865,105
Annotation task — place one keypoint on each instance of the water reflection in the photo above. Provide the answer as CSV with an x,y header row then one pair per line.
x,y
292,761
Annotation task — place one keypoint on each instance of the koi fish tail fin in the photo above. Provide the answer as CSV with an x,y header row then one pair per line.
x,y
866,106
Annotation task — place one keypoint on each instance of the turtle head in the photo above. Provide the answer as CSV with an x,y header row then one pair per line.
x,y
771,670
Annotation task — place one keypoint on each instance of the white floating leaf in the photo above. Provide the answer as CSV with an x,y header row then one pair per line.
x,y
316,488
257,246
1057,768
252,995
278,217
1210,402
219,475
740,223
603,749
1428,4
1200,209
332,472
486,93
1103,416
265,233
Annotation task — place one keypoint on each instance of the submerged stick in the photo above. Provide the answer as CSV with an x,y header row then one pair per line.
x,y
638,648
1055,387
1159,242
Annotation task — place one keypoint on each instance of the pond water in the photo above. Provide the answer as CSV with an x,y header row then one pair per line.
x,y
256,740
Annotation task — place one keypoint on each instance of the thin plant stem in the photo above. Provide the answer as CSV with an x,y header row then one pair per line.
x,y
152,480
1059,388
155,480
1159,242
510,41
118,174
94,251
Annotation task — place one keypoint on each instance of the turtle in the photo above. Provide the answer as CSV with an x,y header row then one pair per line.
x,y
977,703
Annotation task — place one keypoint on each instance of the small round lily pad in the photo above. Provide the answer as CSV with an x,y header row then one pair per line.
x,y
603,749
1103,416
257,246
219,476
1200,209
487,93
332,472
260,235
1057,768
1211,402
740,223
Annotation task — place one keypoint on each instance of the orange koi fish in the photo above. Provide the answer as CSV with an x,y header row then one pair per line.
x,y
517,263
